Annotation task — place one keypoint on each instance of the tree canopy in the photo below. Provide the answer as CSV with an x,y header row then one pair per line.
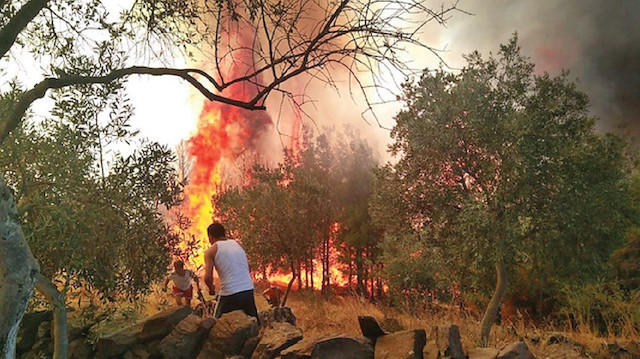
x,y
498,165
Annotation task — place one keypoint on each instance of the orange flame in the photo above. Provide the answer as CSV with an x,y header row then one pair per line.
x,y
224,133
337,276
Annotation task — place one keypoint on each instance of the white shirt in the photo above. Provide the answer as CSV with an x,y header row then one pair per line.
x,y
233,268
182,282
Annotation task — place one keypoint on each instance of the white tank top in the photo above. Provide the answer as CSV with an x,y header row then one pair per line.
x,y
233,268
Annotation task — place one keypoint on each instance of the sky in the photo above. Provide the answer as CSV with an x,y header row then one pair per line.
x,y
597,40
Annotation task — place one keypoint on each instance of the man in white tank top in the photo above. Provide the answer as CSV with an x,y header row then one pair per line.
x,y
230,261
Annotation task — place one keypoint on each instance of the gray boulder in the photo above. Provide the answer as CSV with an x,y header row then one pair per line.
x,y
161,324
448,342
517,350
401,345
330,347
28,332
272,315
79,349
185,340
275,339
116,345
229,335
157,327
483,353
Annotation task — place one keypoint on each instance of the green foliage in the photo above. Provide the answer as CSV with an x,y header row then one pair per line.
x,y
277,216
498,164
91,215
284,215
626,261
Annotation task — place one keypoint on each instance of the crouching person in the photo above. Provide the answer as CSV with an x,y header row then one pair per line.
x,y
182,287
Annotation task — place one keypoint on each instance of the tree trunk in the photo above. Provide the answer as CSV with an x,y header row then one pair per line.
x,y
306,274
59,327
18,272
325,264
299,276
311,266
493,307
293,279
359,272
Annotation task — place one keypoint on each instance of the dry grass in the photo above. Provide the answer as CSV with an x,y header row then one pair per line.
x,y
339,315
318,315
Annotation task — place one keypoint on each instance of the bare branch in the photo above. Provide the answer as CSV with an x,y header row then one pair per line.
x,y
39,90
22,18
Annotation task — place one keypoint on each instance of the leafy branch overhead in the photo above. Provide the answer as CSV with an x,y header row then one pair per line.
x,y
273,43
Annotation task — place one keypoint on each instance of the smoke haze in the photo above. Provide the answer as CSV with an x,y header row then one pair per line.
x,y
597,40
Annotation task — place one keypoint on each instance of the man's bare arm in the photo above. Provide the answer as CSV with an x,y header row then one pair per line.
x,y
209,255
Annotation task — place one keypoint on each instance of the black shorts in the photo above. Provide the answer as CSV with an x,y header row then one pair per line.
x,y
239,301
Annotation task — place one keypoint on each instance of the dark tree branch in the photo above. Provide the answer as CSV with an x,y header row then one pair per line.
x,y
23,17
39,90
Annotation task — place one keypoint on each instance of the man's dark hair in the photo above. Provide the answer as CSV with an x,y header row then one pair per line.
x,y
216,230
179,264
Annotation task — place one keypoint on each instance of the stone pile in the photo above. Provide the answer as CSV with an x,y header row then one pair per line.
x,y
180,334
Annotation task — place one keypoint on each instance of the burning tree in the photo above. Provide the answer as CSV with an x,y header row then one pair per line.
x,y
81,44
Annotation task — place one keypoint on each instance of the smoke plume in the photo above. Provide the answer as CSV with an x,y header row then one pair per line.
x,y
597,40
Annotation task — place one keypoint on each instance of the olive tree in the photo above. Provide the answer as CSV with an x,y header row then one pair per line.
x,y
498,165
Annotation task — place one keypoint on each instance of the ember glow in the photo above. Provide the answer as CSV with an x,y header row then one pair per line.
x,y
337,276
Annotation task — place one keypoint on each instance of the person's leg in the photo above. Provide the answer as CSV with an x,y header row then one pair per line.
x,y
224,306
188,295
246,302
178,294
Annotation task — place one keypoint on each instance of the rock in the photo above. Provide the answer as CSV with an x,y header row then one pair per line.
x,y
370,328
157,327
74,333
250,346
160,325
564,351
271,315
43,348
431,350
44,330
185,340
620,350
208,323
154,349
556,338
137,352
402,345
391,325
483,353
276,338
517,350
116,345
229,334
79,349
448,341
28,332
330,347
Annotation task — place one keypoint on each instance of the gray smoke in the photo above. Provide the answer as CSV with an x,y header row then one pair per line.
x,y
597,40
